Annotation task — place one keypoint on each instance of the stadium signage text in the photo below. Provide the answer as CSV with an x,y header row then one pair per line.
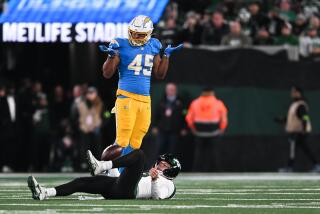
x,y
62,32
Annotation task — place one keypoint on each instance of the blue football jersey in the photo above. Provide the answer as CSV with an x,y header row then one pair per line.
x,y
136,64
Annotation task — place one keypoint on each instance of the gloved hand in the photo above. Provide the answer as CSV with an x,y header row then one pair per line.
x,y
169,49
111,52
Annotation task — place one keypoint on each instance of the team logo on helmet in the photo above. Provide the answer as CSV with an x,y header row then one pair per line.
x,y
140,30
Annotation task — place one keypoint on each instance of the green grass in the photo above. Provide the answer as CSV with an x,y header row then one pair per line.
x,y
196,193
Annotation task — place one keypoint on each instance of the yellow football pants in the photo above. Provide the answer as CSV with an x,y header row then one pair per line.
x,y
133,119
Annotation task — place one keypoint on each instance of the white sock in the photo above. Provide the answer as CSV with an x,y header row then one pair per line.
x,y
51,192
113,172
106,165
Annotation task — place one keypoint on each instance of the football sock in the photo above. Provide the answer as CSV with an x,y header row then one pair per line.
x,y
51,192
125,151
113,172
106,165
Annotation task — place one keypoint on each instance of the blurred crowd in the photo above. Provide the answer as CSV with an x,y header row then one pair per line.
x,y
49,132
239,23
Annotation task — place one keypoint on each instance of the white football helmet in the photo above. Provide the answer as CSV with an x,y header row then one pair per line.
x,y
140,30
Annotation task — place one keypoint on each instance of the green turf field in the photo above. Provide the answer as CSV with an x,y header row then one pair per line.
x,y
196,193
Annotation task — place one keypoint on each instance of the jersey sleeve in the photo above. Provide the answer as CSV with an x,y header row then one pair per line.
x,y
156,46
162,190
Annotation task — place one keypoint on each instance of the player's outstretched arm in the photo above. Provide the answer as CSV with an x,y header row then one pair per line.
x,y
160,66
110,66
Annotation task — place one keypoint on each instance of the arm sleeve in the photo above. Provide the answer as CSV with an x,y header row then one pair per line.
x,y
161,190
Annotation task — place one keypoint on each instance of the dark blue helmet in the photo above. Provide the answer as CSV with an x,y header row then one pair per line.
x,y
175,168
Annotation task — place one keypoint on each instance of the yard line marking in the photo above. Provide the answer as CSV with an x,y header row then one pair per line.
x,y
247,190
248,193
245,177
249,199
177,199
170,206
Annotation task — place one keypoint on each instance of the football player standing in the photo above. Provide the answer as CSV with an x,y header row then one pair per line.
x,y
136,58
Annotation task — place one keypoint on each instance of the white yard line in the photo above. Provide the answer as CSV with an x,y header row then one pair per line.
x,y
246,190
249,193
43,204
247,199
177,199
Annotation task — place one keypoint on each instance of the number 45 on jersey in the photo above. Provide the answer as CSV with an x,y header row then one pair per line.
x,y
136,64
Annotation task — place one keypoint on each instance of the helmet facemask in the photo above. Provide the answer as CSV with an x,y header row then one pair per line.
x,y
138,38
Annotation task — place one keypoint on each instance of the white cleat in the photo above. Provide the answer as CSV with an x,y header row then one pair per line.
x,y
95,166
38,192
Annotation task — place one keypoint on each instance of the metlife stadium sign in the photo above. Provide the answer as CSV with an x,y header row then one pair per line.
x,y
73,20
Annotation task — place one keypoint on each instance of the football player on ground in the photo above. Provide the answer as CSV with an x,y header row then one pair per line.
x,y
136,58
131,184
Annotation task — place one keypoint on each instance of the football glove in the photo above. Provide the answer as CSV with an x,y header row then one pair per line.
x,y
169,49
111,52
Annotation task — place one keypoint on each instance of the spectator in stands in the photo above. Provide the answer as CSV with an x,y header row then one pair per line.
x,y
310,7
171,11
298,128
207,119
229,8
78,97
26,110
276,22
206,18
286,37
299,25
191,31
77,93
168,33
215,29
263,38
315,23
169,121
236,38
257,19
60,106
41,145
310,43
285,11
9,129
59,113
90,119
